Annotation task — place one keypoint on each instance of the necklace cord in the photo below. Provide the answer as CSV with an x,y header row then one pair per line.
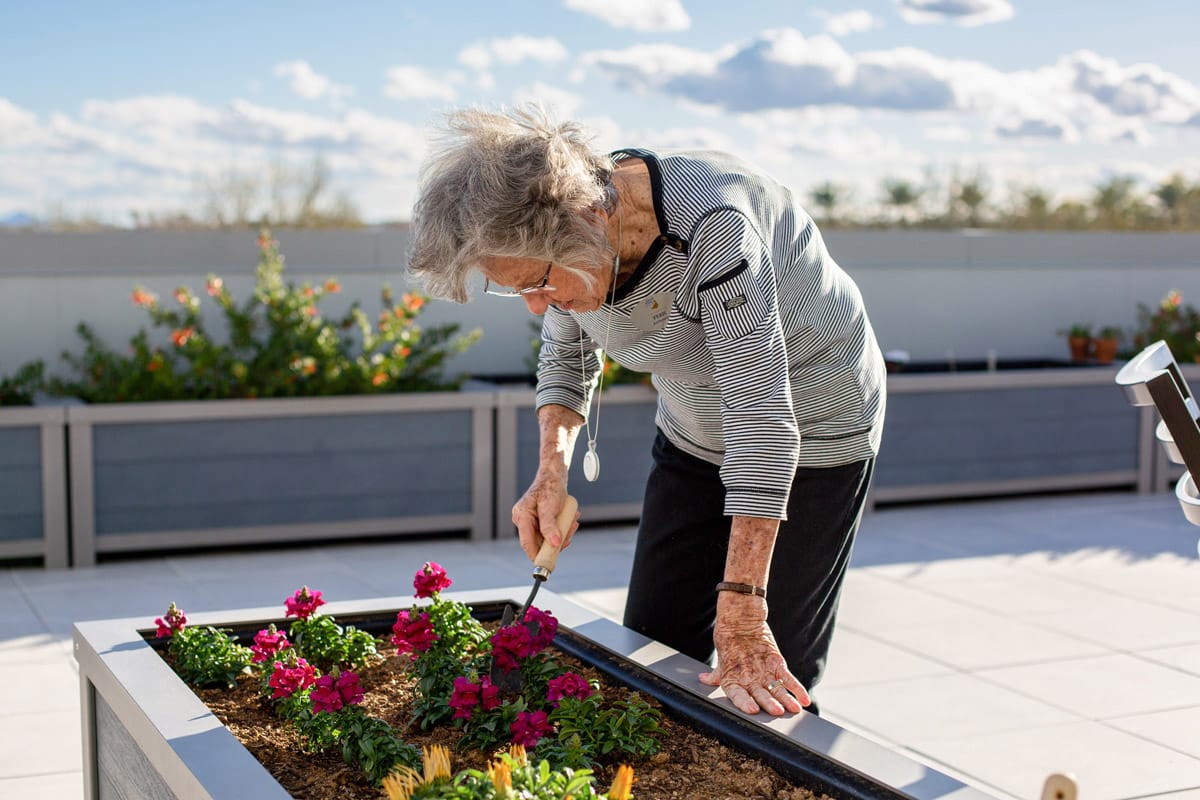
x,y
607,332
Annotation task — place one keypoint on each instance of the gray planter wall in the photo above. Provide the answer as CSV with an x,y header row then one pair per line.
x,y
156,476
626,434
963,434
33,497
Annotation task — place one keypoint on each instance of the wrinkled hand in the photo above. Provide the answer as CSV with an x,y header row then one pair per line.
x,y
536,514
750,669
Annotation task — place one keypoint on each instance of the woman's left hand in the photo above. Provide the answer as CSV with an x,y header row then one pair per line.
x,y
750,669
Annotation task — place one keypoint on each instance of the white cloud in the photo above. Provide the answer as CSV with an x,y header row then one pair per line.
x,y
1140,90
417,83
563,104
850,22
17,126
964,12
639,15
784,69
949,134
512,50
308,83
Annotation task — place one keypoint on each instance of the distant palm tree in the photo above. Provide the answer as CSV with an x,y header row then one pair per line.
x,y
971,194
1173,194
828,196
901,195
1114,200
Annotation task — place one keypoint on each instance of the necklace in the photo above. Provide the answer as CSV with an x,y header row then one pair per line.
x,y
591,461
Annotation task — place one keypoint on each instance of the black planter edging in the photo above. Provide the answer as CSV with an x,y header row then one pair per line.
x,y
799,765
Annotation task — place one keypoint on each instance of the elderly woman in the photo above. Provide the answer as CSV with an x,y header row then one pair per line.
x,y
706,273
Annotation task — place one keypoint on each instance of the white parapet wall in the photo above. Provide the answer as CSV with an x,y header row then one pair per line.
x,y
964,294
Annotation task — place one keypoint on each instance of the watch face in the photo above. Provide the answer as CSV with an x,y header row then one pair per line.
x,y
591,465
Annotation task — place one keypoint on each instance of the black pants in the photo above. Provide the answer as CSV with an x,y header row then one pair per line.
x,y
682,542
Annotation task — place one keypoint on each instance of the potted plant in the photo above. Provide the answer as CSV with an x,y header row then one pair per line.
x,y
275,422
1173,322
1079,340
1104,346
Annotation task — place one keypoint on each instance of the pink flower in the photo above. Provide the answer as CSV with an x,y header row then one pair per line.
x,y
303,603
171,622
530,727
287,680
569,684
510,645
214,286
412,634
431,579
267,643
333,693
467,696
547,626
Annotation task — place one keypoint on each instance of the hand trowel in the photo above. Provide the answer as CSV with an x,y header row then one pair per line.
x,y
543,565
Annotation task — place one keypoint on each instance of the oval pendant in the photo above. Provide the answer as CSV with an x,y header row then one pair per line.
x,y
591,465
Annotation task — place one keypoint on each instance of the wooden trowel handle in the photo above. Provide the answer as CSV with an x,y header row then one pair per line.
x,y
547,557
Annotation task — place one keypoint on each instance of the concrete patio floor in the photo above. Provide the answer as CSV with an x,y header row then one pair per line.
x,y
996,641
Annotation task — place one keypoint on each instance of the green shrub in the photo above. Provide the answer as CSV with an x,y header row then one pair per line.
x,y
276,344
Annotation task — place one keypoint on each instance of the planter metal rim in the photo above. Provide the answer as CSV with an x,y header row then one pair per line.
x,y
115,656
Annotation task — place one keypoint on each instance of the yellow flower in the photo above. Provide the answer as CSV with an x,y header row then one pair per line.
x,y
501,775
402,783
517,753
622,785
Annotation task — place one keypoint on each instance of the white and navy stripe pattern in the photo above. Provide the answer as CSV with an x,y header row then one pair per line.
x,y
767,361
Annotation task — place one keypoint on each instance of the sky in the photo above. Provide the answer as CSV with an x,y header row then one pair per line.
x,y
113,108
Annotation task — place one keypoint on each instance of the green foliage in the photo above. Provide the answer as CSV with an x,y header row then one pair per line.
x,y
529,782
459,637
19,388
325,644
208,656
588,732
491,730
276,344
1078,330
1173,322
371,743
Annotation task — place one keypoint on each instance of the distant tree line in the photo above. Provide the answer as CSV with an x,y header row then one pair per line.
x,y
1113,205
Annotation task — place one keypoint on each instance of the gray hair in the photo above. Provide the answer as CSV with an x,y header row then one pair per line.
x,y
510,184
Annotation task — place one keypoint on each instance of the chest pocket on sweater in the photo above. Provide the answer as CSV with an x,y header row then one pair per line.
x,y
731,305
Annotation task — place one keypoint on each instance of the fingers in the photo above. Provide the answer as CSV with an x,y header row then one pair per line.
x,y
775,696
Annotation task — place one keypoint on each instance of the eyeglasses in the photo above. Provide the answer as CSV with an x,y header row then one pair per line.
x,y
541,287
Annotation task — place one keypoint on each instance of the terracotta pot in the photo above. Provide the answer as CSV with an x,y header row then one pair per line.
x,y
1104,350
1080,347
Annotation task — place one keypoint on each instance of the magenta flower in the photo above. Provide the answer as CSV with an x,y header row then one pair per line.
x,y
171,622
547,626
412,634
569,684
287,680
467,696
431,579
510,645
268,643
303,603
334,692
530,727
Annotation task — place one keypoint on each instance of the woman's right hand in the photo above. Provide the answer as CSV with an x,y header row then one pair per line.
x,y
536,513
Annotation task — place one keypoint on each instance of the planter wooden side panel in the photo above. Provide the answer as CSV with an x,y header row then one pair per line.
x,y
998,433
33,495
150,477
626,435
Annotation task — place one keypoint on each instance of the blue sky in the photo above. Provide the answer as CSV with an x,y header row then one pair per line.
x,y
108,108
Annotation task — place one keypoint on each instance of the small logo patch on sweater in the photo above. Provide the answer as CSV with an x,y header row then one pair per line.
x,y
735,302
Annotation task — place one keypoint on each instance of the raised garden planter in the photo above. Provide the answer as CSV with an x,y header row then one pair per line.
x,y
158,476
33,484
626,436
975,433
146,734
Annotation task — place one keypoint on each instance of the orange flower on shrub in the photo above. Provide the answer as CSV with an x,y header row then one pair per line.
x,y
182,336
332,286
143,298
214,286
412,302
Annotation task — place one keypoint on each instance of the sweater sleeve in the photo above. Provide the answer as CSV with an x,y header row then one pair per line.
x,y
567,370
737,299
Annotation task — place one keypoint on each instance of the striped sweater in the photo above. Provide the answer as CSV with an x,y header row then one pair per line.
x,y
757,341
